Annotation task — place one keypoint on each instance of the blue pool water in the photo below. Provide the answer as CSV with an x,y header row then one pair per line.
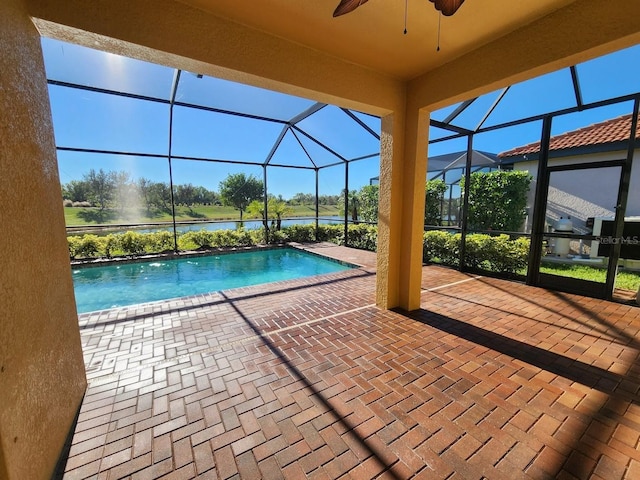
x,y
99,288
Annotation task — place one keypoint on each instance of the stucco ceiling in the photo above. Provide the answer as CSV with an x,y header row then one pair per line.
x,y
372,36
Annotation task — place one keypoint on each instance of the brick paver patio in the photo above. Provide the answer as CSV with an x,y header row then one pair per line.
x,y
309,379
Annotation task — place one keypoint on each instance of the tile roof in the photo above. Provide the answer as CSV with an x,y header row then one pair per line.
x,y
610,131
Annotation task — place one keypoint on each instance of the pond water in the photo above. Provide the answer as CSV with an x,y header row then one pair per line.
x,y
217,225
251,224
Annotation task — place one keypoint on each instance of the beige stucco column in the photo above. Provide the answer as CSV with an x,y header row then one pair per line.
x,y
403,169
42,378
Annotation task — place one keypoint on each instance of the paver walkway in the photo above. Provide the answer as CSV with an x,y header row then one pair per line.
x,y
309,379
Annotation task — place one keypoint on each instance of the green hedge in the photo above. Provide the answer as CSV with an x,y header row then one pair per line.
x,y
219,238
499,253
128,243
361,235
136,243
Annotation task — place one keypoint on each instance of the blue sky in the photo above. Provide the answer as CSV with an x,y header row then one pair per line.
x,y
84,119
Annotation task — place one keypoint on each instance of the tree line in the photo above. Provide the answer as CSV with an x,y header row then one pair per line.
x,y
118,190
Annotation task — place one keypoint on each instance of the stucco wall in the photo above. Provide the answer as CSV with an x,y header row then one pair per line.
x,y
42,376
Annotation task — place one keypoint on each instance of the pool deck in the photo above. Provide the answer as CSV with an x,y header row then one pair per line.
x,y
309,379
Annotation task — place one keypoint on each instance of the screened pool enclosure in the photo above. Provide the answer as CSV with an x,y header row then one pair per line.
x,y
167,138
177,136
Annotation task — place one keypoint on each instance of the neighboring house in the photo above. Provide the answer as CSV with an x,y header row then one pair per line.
x,y
584,193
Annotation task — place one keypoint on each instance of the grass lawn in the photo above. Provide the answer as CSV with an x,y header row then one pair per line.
x,y
625,280
91,216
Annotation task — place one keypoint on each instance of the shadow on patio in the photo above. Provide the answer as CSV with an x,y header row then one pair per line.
x,y
309,379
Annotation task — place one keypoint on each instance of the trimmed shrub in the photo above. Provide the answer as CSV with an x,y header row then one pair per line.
x,y
200,239
220,238
159,241
67,203
276,236
479,251
499,254
132,243
224,238
245,239
511,255
330,233
185,241
74,243
441,247
88,246
300,233
497,200
363,236
110,244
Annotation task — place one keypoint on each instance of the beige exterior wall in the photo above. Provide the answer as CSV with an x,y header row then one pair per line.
x,y
42,377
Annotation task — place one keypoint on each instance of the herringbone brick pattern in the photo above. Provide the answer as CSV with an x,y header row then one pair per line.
x,y
308,379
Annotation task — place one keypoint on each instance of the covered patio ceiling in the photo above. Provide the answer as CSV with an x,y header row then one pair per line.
x,y
373,36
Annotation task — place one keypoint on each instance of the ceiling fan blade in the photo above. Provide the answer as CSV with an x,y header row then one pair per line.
x,y
347,6
447,7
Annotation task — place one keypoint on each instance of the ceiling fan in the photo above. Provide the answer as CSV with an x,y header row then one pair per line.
x,y
447,7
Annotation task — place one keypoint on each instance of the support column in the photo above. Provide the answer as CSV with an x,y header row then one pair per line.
x,y
42,377
403,170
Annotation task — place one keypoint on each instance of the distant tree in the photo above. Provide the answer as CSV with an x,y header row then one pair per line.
x,y
185,195
239,190
205,197
368,200
102,187
76,191
144,192
354,205
303,199
278,208
328,199
434,193
160,196
256,209
124,190
310,199
450,211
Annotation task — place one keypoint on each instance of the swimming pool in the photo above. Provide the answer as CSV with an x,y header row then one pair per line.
x,y
99,288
